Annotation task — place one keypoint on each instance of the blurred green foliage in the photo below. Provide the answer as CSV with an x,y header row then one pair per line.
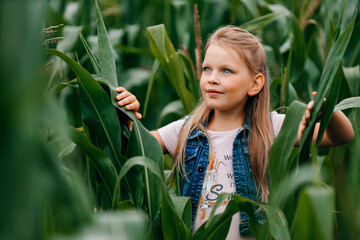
x,y
44,171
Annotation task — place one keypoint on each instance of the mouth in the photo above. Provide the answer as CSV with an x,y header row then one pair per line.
x,y
213,92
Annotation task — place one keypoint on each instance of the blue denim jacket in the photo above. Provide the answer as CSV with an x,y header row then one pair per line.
x,y
196,161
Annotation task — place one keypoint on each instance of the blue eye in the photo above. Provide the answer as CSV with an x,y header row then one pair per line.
x,y
227,71
206,69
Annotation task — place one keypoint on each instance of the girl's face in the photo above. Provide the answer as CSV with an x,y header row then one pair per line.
x,y
225,81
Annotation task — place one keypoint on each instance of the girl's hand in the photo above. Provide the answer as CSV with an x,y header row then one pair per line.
x,y
128,100
307,113
338,131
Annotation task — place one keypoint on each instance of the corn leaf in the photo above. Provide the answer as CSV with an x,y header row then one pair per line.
x,y
142,143
106,56
314,214
352,75
327,79
100,161
290,185
107,59
190,74
169,215
92,58
217,226
347,103
154,70
259,23
173,226
100,103
284,143
111,225
183,208
139,161
164,51
330,104
171,112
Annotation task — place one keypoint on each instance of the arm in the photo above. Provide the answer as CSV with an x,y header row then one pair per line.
x,y
159,139
339,130
130,102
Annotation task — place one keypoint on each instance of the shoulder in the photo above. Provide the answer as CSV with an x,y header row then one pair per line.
x,y
277,121
173,127
169,134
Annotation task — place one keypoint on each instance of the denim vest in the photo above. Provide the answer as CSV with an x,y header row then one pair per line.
x,y
196,161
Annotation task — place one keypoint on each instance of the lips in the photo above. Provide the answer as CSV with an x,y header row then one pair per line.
x,y
213,92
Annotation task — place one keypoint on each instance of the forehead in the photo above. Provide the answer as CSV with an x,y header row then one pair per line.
x,y
217,52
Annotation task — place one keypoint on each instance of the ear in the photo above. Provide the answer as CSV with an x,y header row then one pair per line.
x,y
257,84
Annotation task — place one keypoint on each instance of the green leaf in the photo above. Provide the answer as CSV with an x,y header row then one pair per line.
x,y
332,65
100,161
140,161
100,104
164,51
352,75
347,103
290,185
171,112
183,208
142,143
217,226
154,70
277,222
189,70
60,86
93,60
111,226
106,56
259,23
314,214
125,205
330,104
173,226
169,215
284,143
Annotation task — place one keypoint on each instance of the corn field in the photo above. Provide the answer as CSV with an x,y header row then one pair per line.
x,y
71,168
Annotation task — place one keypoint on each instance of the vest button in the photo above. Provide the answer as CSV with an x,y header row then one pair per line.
x,y
200,169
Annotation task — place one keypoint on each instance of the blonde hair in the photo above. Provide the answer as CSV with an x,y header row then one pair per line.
x,y
257,107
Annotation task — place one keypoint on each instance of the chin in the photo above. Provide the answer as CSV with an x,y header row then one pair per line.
x,y
214,106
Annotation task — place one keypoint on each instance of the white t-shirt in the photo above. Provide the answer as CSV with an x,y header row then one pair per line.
x,y
219,176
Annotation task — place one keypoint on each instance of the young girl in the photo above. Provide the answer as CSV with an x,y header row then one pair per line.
x,y
223,146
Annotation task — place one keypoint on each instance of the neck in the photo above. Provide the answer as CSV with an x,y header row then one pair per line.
x,y
226,120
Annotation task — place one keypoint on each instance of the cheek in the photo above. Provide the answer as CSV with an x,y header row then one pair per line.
x,y
202,84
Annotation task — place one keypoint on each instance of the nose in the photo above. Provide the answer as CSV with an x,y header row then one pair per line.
x,y
213,78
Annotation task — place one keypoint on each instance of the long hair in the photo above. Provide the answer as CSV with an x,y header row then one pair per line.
x,y
257,107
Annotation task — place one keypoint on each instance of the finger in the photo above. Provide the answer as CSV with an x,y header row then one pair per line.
x,y
310,105
127,100
302,128
120,89
138,115
133,106
307,114
303,120
314,93
123,95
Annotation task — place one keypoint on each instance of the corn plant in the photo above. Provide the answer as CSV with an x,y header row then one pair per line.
x,y
311,45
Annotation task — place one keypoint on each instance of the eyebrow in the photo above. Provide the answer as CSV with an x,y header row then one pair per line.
x,y
222,66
